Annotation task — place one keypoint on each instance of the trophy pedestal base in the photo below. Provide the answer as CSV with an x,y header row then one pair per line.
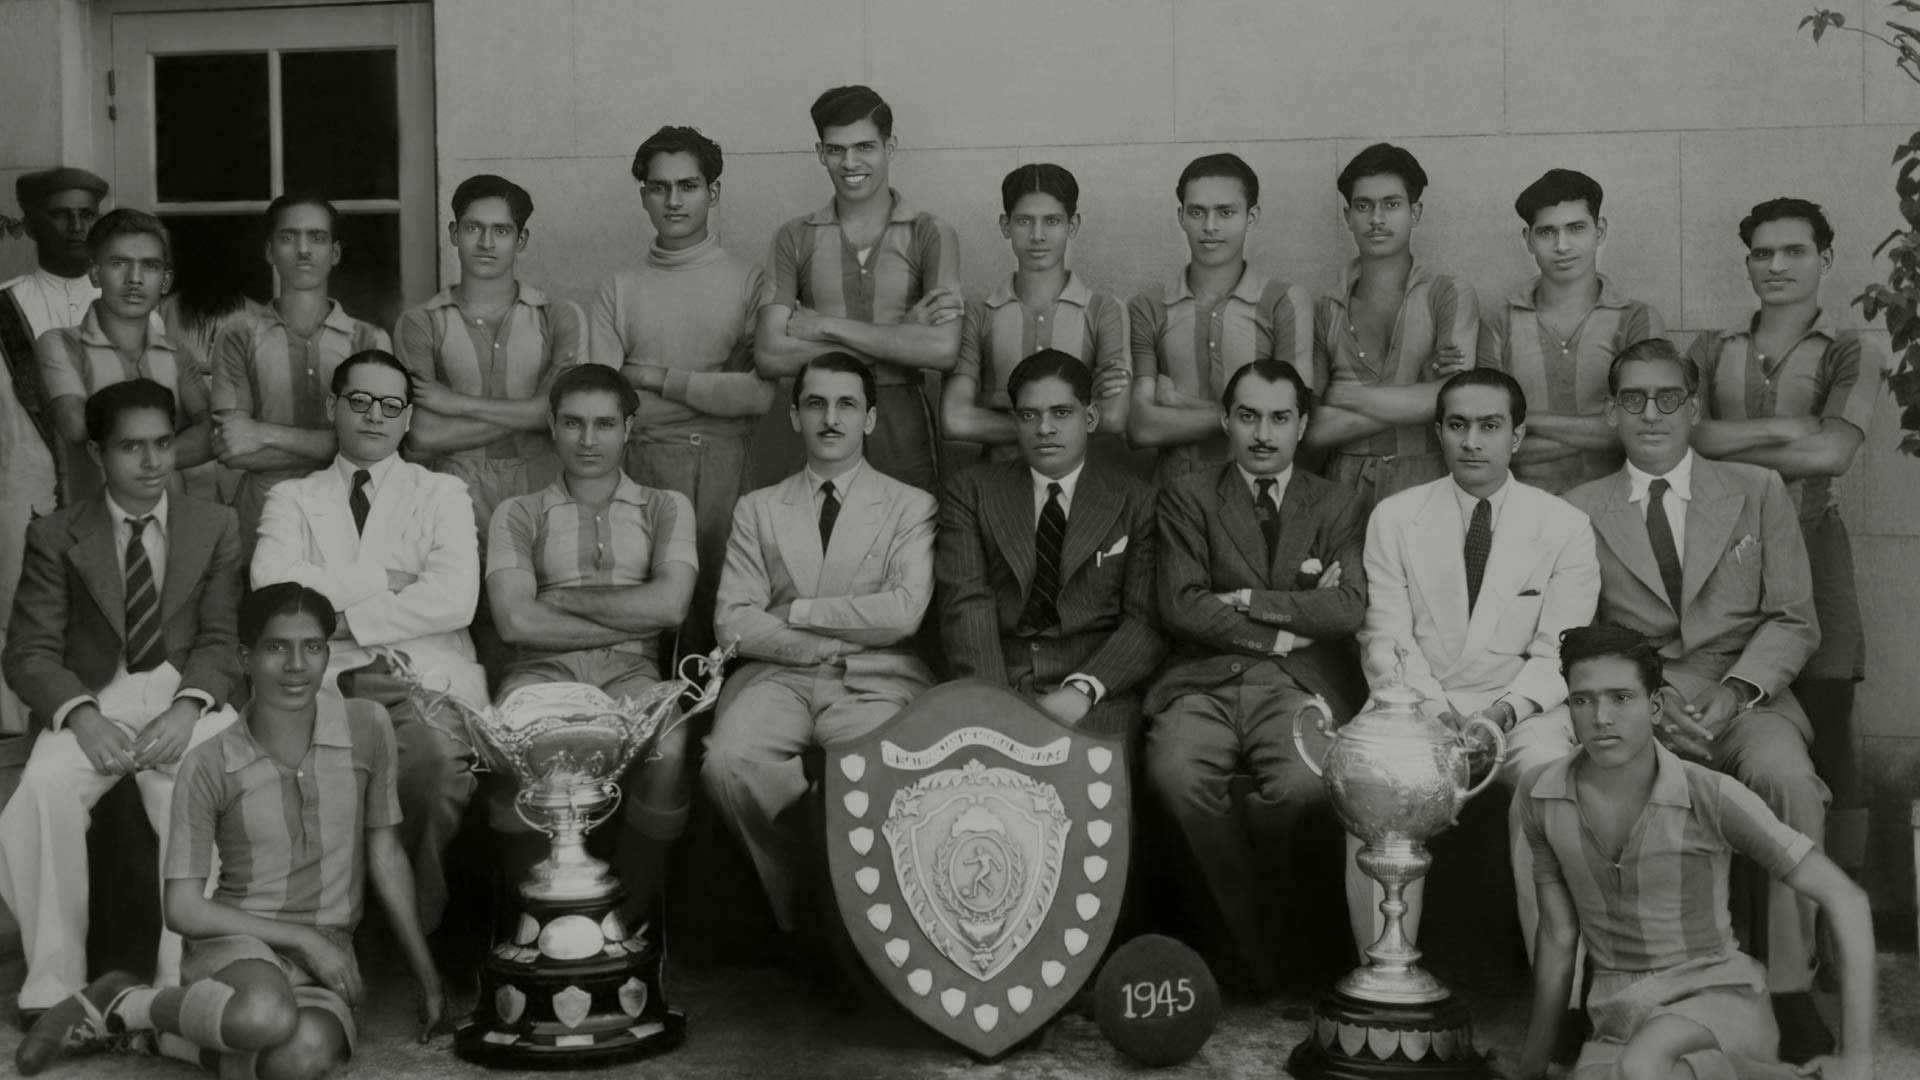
x,y
572,990
1352,1039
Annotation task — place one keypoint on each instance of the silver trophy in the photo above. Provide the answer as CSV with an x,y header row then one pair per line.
x,y
573,987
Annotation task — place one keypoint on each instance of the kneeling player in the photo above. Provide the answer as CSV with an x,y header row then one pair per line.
x,y
270,978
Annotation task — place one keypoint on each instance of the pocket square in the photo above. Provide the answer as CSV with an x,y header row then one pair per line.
x,y
1119,546
1530,592
1747,544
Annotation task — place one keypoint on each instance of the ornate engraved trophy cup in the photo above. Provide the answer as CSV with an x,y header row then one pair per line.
x,y
1397,778
573,987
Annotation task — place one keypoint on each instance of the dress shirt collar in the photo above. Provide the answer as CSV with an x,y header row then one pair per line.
x,y
1467,500
1067,484
1248,289
1075,292
120,517
1280,481
378,469
841,484
1679,479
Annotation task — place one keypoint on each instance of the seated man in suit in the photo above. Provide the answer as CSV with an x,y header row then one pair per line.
x,y
828,573
1478,620
1045,564
122,645
582,577
1261,582
1706,558
392,544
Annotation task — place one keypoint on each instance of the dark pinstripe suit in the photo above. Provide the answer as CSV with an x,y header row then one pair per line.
x,y
1224,704
984,568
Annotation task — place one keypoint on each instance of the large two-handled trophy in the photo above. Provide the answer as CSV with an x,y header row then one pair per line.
x,y
573,987
1397,778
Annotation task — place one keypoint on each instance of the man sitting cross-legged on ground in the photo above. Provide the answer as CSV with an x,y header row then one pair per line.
x,y
1261,582
122,646
828,574
298,801
582,577
1631,852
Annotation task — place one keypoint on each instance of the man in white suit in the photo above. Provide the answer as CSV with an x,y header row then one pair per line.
x,y
393,545
828,573
1472,578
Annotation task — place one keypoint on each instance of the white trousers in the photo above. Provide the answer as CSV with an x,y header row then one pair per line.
x,y
43,838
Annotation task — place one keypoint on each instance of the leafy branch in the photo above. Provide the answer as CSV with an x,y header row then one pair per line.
x,y
1895,301
12,226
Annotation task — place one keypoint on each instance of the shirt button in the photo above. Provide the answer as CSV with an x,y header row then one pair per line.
x,y
1035,646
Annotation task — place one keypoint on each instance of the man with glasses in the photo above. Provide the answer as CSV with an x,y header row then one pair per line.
x,y
393,546
271,370
1707,560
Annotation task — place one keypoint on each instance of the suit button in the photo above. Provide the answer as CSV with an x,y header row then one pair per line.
x,y
1234,667
1035,646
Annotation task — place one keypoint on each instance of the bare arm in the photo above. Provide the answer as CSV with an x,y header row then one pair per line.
x,y
907,344
660,604
191,915
1333,427
1394,405
962,419
1827,452
1724,438
523,619
1848,914
1554,945
392,876
256,446
70,417
1574,432
776,355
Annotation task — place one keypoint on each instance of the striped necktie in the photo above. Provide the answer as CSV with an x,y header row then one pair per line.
x,y
144,649
1043,602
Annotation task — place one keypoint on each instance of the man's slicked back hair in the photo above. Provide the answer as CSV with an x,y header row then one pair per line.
x,y
1383,159
846,364
269,602
1273,371
1040,178
378,358
1604,640
1557,186
127,221
673,139
593,379
108,404
1223,166
1652,349
1785,209
1483,376
292,199
1051,364
489,186
845,105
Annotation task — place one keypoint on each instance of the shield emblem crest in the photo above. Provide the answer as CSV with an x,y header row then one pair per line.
x,y
978,850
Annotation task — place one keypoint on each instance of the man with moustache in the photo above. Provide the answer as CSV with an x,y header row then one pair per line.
x,y
852,276
828,574
60,207
1706,558
1260,583
1045,564
582,577
1471,578
392,545
122,643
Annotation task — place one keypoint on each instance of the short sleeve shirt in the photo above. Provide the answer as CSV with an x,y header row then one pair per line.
x,y
1000,331
1566,377
566,544
260,367
1438,311
812,264
1829,373
1200,346
1664,899
290,840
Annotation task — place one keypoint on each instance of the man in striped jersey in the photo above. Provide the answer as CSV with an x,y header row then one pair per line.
x,y
848,277
1388,338
1559,332
1631,853
1793,392
1210,320
1042,306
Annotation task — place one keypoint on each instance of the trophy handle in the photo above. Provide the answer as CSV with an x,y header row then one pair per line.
x,y
1324,726
1499,754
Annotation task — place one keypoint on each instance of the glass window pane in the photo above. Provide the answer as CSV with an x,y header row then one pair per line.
x,y
210,127
367,281
218,258
341,123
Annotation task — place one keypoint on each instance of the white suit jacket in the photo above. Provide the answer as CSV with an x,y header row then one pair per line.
x,y
1541,578
421,523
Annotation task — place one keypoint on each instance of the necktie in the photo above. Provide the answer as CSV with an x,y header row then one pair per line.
x,y
829,513
1660,533
144,651
1269,516
1479,546
358,499
1043,601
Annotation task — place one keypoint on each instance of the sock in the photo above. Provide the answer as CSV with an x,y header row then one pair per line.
x,y
203,1006
134,1008
169,1045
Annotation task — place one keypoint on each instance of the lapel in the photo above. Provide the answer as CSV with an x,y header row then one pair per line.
x,y
1095,505
190,536
1508,564
854,532
796,532
1624,527
1297,529
1236,513
394,497
97,563
1439,564
1007,509
324,498
1711,516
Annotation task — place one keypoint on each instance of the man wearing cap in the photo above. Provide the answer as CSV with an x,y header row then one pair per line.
x,y
60,206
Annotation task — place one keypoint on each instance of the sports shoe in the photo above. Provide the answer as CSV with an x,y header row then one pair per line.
x,y
75,1026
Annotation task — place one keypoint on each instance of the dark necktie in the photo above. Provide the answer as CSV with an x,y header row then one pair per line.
x,y
1660,534
1268,515
1479,546
1043,601
358,499
829,513
144,651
